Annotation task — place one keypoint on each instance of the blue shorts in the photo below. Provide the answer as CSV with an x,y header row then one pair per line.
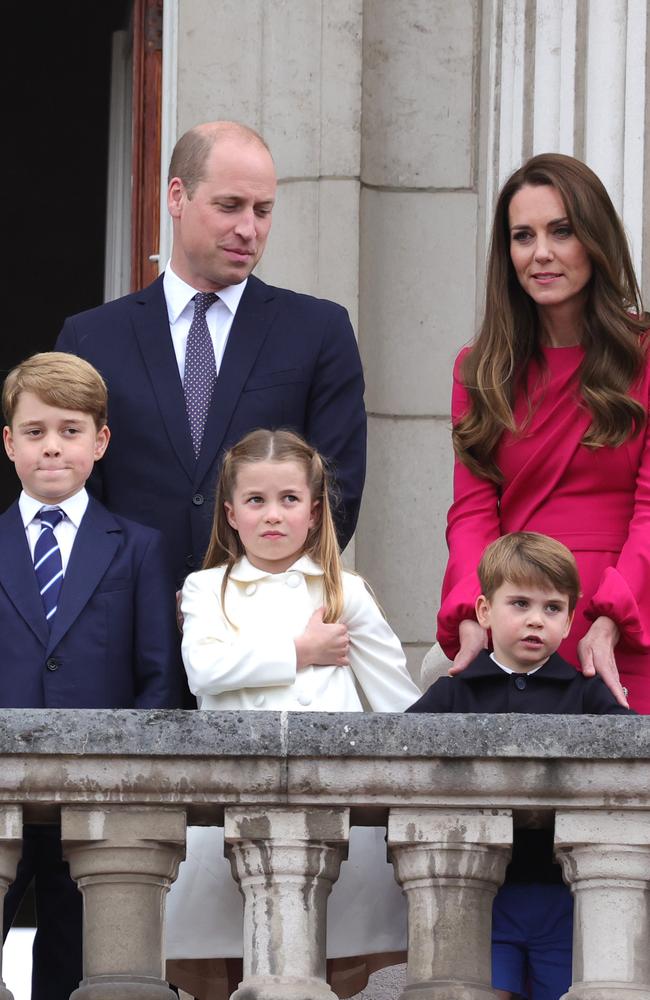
x,y
532,937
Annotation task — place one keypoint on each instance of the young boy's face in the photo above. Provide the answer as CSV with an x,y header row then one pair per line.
x,y
527,624
53,449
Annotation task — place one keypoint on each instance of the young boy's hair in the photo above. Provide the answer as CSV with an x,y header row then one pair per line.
x,y
58,379
530,559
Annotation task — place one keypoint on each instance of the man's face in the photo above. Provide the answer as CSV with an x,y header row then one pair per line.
x,y
221,231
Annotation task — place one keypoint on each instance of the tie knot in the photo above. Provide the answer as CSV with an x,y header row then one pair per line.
x,y
203,301
51,517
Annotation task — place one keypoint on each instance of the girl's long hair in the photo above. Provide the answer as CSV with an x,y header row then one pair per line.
x,y
321,544
509,336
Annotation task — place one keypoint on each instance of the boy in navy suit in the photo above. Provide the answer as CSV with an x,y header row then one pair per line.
x,y
87,613
530,587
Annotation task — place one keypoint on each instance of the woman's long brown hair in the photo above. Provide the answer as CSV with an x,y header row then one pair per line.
x,y
321,544
509,336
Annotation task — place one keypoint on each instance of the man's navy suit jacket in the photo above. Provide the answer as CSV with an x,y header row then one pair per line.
x,y
291,361
113,640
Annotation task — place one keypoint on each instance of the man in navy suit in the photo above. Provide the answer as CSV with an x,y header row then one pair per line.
x,y
281,359
87,614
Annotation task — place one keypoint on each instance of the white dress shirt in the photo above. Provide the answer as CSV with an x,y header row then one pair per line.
x,y
65,533
507,670
180,311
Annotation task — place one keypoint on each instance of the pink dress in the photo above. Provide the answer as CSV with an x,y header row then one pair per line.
x,y
595,501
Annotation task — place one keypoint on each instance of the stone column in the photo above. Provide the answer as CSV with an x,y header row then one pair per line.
x,y
124,859
417,243
285,860
606,860
450,865
11,845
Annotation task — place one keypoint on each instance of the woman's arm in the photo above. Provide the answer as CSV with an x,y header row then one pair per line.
x,y
472,523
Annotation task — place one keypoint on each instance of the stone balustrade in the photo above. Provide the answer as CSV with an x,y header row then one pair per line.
x,y
287,787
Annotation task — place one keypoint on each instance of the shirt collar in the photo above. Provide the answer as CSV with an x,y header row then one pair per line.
x,y
244,572
555,669
74,507
508,670
178,294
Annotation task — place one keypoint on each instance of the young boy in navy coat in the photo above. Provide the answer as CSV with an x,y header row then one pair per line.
x,y
530,587
87,612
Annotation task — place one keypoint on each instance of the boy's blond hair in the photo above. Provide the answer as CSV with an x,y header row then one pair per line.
x,y
527,558
58,379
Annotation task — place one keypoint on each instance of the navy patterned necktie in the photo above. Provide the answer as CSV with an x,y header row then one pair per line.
x,y
47,560
200,369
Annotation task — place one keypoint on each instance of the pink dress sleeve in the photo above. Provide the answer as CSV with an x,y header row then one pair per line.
x,y
623,593
472,523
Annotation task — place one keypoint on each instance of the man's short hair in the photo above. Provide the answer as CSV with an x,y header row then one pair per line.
x,y
193,148
58,379
526,558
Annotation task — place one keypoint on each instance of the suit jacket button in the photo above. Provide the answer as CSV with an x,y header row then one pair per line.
x,y
198,499
52,664
520,682
189,561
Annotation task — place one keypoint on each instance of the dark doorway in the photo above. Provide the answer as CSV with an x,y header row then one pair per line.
x,y
56,70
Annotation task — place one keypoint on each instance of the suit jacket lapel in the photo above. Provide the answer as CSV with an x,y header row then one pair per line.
x,y
253,319
94,548
151,323
17,575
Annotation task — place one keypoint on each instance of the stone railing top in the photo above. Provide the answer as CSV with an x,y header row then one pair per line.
x,y
319,734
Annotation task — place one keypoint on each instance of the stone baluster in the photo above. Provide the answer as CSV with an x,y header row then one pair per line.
x,y
11,844
124,859
285,860
450,865
605,858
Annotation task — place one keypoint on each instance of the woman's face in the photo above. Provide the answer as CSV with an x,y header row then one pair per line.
x,y
551,264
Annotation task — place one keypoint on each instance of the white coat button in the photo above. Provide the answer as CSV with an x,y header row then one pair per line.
x,y
250,589
304,699
259,700
293,580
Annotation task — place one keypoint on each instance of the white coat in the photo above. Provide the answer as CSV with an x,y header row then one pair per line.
x,y
249,662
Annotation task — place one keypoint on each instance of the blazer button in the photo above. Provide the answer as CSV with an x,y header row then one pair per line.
x,y
520,683
52,664
198,499
250,589
189,561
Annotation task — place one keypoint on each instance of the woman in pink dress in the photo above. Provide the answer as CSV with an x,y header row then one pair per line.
x,y
549,409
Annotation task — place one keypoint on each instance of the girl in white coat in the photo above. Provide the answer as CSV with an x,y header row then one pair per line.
x,y
274,622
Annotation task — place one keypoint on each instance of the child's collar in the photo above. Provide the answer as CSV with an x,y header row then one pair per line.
x,y
244,572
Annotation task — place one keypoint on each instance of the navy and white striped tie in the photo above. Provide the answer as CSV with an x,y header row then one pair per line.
x,y
47,560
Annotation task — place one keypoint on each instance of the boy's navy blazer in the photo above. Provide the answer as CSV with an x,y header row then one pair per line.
x,y
557,688
113,641
291,361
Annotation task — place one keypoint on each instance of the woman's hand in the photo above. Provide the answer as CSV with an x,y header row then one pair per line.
x,y
322,645
596,655
473,639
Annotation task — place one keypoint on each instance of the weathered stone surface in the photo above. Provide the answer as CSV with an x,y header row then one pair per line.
x,y
67,732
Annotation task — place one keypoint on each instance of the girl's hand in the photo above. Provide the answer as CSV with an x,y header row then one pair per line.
x,y
473,638
596,655
322,645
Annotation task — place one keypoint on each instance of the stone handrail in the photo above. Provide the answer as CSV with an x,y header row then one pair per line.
x,y
124,785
